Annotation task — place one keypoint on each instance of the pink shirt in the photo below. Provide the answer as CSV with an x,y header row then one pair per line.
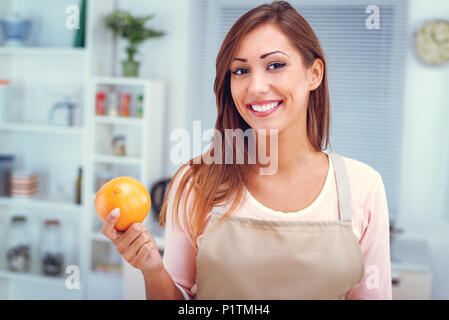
x,y
370,224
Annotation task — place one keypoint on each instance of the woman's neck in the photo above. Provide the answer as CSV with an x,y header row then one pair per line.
x,y
293,150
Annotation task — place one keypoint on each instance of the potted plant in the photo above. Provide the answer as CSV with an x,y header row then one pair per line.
x,y
132,29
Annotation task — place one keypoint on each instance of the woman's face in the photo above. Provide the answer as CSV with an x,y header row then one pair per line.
x,y
268,70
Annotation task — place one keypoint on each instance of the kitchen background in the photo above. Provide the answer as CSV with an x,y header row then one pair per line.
x,y
70,120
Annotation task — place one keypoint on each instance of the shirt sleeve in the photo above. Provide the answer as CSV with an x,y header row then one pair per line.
x,y
179,256
375,246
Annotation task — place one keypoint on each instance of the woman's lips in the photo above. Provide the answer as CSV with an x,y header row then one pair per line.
x,y
264,113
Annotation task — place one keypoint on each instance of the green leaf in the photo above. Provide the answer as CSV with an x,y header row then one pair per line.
x,y
131,28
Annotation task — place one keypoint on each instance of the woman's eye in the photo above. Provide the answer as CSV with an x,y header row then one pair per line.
x,y
276,64
273,66
236,72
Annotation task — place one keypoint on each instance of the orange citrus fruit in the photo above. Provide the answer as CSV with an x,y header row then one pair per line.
x,y
126,193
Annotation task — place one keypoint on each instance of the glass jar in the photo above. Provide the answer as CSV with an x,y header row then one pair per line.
x,y
100,104
113,104
19,245
52,257
118,145
125,101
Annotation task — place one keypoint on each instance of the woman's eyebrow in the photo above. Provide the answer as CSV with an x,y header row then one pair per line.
x,y
262,56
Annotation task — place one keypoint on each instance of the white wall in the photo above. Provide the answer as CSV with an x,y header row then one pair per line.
x,y
424,206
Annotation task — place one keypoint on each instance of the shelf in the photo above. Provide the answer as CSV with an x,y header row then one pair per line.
x,y
117,160
39,278
39,202
40,128
132,121
45,51
121,81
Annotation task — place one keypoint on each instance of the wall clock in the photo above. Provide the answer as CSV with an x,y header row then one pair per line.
x,y
431,42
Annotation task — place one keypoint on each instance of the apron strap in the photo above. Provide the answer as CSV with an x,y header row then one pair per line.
x,y
343,188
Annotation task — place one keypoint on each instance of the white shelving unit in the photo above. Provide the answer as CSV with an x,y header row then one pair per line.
x,y
39,128
40,202
116,120
144,165
56,151
35,278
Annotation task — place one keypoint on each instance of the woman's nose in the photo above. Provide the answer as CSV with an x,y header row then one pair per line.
x,y
258,85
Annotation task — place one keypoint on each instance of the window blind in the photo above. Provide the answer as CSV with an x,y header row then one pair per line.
x,y
366,74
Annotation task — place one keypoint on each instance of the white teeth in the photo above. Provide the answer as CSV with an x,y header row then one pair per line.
x,y
265,107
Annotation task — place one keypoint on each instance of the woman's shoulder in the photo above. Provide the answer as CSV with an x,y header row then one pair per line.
x,y
362,176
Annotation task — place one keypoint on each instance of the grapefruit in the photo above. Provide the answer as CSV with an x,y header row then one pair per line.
x,y
126,193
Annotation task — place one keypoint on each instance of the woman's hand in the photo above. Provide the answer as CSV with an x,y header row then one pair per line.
x,y
135,244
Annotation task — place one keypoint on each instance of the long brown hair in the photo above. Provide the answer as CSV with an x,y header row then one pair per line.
x,y
210,184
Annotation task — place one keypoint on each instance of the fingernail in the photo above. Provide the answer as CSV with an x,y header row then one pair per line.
x,y
115,213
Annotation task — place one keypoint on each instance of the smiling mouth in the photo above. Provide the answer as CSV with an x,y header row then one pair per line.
x,y
266,109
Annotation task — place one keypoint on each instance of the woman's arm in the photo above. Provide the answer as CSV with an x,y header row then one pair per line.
x,y
179,259
160,286
138,247
375,245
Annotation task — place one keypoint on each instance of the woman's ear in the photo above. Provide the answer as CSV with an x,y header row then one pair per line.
x,y
315,74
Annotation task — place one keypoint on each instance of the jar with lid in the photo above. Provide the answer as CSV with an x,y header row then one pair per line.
x,y
125,101
118,145
51,252
113,104
100,103
18,252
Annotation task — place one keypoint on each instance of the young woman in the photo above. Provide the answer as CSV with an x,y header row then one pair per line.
x,y
316,228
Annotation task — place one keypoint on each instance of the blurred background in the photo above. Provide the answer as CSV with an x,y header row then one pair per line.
x,y
81,104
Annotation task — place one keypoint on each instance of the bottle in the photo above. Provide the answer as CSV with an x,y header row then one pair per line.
x,y
100,108
113,104
125,100
79,183
19,245
51,253
139,108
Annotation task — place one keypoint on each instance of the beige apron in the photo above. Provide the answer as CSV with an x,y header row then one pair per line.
x,y
249,258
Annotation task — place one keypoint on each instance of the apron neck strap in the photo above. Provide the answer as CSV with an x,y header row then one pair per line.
x,y
343,188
